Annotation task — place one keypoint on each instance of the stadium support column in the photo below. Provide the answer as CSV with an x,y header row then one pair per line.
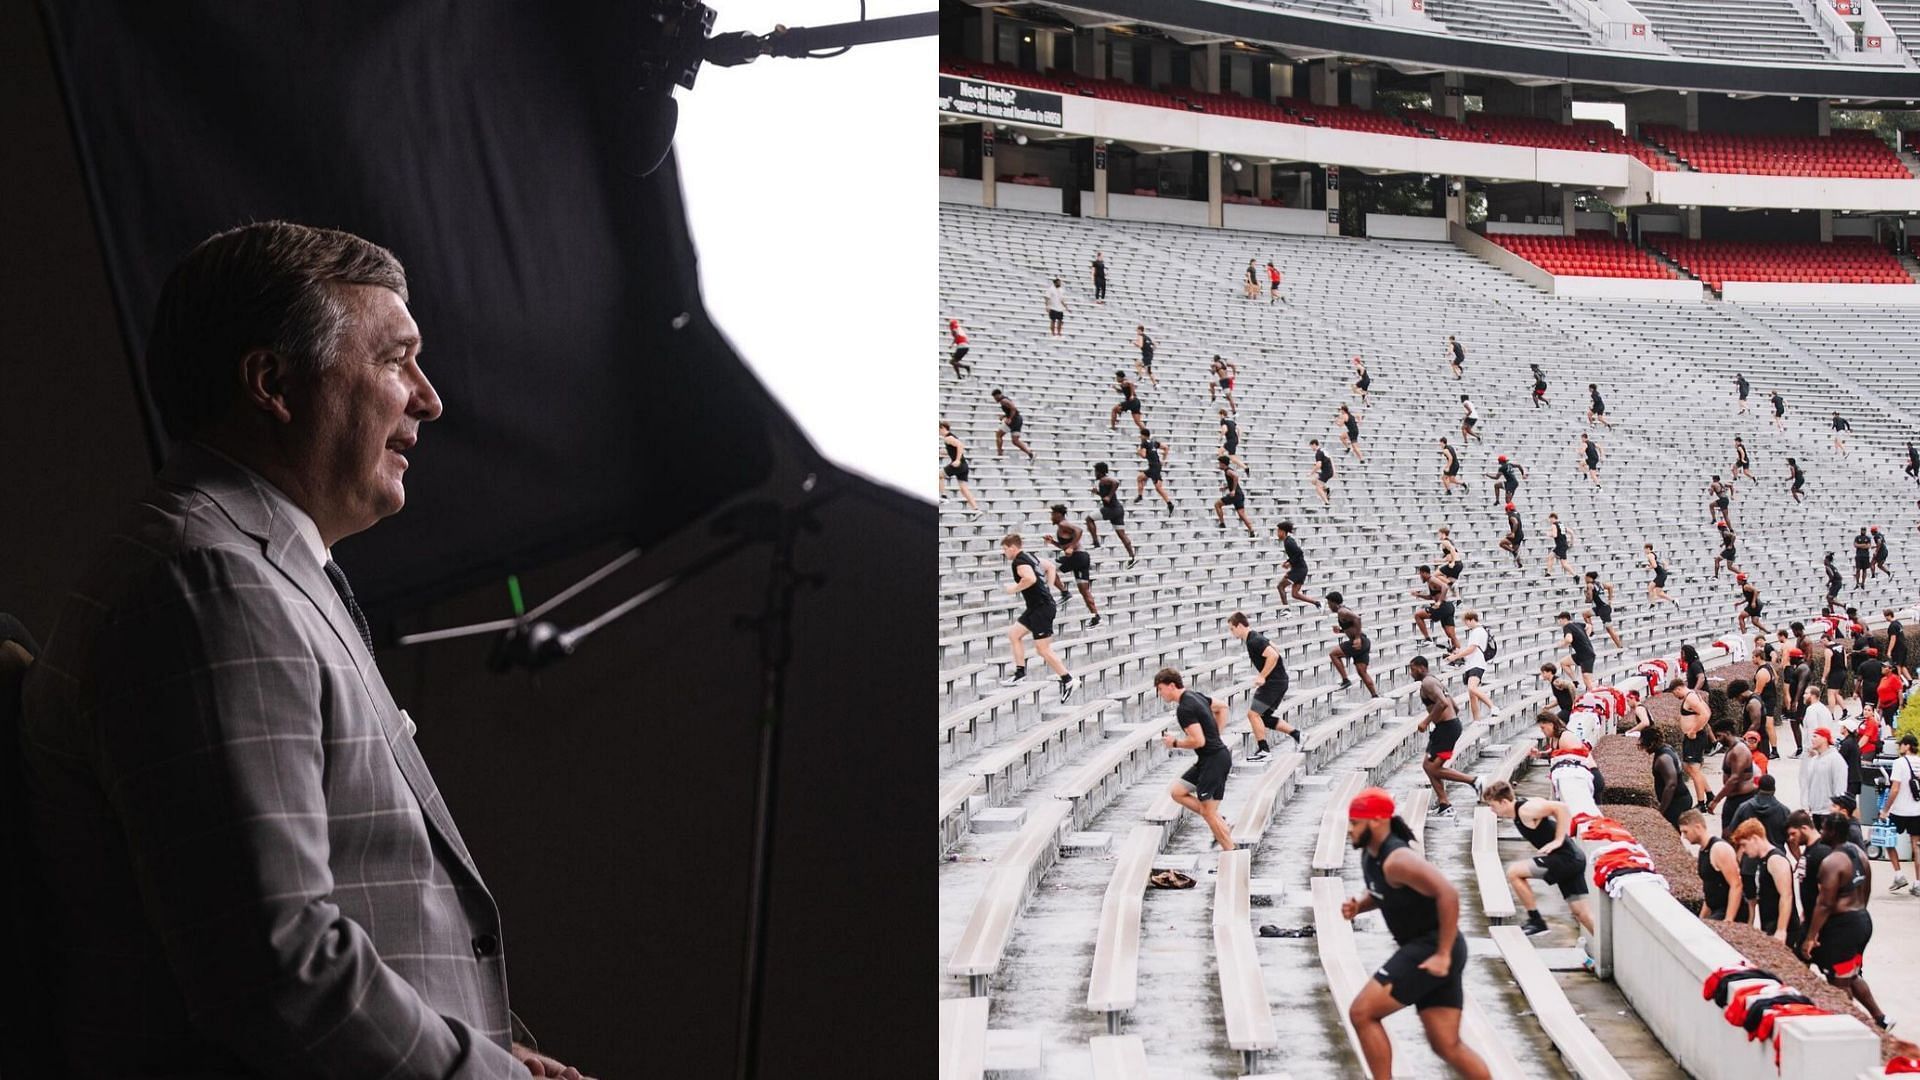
x,y
1099,68
1210,57
1457,200
1826,226
1099,178
1567,212
1214,216
987,194
1362,87
1323,82
988,40
1447,96
1823,117
1692,215
1263,181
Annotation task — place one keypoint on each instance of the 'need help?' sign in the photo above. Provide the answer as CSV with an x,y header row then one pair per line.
x,y
989,101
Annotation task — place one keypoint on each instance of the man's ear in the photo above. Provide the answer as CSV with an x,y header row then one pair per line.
x,y
266,380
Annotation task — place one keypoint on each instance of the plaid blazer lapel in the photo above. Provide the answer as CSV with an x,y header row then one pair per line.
x,y
257,513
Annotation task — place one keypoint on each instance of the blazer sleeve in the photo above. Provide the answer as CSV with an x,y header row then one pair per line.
x,y
208,720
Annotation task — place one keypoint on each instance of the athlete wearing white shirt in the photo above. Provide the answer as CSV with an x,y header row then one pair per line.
x,y
1472,653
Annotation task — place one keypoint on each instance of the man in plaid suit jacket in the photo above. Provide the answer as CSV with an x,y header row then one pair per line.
x,y
247,866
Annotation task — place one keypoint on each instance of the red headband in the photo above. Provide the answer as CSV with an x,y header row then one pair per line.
x,y
1371,803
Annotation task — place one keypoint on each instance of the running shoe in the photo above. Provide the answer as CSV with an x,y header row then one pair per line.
x,y
1900,881
1479,786
1131,560
1259,754
1019,675
1067,686
1441,810
1534,926
1095,621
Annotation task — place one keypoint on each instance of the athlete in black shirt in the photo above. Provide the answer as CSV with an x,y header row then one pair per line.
x,y
1204,784
1129,403
1422,910
1296,575
1269,684
1510,474
1590,458
1798,478
1099,278
1779,410
1539,388
1741,386
1144,365
1459,359
1741,463
1322,472
1657,590
1671,795
1766,875
1599,597
1562,538
1073,560
1037,620
1231,494
1580,654
1840,429
1111,509
1362,381
1727,549
1450,468
1516,535
1596,408
956,466
1153,452
1230,442
1350,433
1547,825
1913,461
1879,562
1010,424
1862,557
1749,607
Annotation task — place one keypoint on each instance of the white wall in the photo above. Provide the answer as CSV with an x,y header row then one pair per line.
x,y
1148,208
1784,292
1047,200
1523,227
1629,288
1273,219
1731,189
959,189
1663,954
1500,257
1852,226
1399,227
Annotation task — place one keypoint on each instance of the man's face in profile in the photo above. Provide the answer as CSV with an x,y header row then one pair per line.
x,y
361,411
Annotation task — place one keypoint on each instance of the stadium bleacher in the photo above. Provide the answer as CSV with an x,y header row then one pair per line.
x,y
1666,368
1847,260
1587,253
1776,30
1516,20
1844,153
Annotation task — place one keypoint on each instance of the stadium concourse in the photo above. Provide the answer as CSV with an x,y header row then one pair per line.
x,y
1055,959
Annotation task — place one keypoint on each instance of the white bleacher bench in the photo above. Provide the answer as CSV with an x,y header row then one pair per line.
x,y
1008,770
1585,1056
1126,756
1489,873
953,804
1166,815
1243,989
1119,1057
1330,851
1339,956
1022,865
963,1038
1413,811
1478,1032
1114,984
1273,788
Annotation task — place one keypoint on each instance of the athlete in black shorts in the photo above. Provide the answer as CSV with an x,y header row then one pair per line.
x,y
1321,473
1010,424
1451,563
1296,575
1037,620
1833,583
1798,478
1231,494
1862,558
1099,278
1719,498
1840,928
1111,510
1422,910
1596,408
1230,442
1741,386
1437,592
1450,468
1223,373
1459,359
1779,410
1580,655
1590,457
1362,381
1152,451
1562,538
1204,784
1657,589
1468,422
1129,402
1727,550
1548,826
1913,461
1443,727
1516,535
959,349
1539,388
956,466
1350,433
1269,685
1352,646
1879,562
1741,463
1510,474
1145,364
1749,607
1599,597
1073,560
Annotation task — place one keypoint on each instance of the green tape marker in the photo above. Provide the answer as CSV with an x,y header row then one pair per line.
x,y
513,589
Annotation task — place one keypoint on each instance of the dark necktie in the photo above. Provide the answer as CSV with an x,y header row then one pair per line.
x,y
339,579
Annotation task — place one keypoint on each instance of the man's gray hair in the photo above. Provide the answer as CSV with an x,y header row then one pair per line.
x,y
268,285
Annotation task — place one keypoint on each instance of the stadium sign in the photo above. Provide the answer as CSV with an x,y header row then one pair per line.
x,y
978,100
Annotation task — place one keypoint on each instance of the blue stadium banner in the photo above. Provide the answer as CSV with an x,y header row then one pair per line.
x,y
990,101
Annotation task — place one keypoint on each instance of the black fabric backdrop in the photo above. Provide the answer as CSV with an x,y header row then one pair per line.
x,y
483,145
608,800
